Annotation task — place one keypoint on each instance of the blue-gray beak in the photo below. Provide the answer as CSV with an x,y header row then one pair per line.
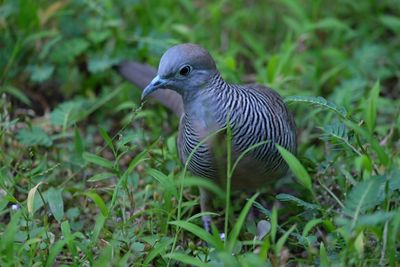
x,y
155,84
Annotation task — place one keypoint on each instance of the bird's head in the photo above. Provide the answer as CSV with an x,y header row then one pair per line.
x,y
183,68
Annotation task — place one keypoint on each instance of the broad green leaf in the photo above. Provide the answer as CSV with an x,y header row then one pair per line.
x,y
56,203
295,166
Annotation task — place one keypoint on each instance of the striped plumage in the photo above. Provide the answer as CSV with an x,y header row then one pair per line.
x,y
255,113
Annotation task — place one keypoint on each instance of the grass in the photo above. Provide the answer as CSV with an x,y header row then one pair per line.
x,y
89,176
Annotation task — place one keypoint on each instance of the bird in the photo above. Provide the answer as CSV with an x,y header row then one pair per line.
x,y
188,82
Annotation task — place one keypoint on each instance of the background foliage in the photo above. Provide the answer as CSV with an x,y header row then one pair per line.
x,y
88,177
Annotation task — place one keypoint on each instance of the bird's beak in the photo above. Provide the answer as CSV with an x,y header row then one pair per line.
x,y
155,84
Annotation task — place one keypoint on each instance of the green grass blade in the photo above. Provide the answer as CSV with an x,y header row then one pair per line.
x,y
234,234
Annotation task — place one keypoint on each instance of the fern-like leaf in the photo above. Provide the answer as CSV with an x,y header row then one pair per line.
x,y
67,113
34,136
364,196
318,101
301,203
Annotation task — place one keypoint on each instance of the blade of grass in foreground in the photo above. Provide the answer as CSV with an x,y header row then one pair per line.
x,y
200,232
233,236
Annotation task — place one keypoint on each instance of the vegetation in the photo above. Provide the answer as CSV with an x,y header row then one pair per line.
x,y
90,177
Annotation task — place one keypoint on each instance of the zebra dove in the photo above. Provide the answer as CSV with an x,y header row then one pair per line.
x,y
206,103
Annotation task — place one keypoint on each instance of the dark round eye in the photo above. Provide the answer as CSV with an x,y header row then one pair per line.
x,y
185,70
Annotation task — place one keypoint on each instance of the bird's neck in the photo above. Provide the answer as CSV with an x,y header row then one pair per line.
x,y
199,103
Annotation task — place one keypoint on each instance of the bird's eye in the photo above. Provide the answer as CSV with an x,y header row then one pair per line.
x,y
185,70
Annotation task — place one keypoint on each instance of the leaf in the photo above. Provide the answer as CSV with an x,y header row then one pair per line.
x,y
106,138
199,232
204,183
99,64
310,224
68,50
274,223
282,240
97,160
295,166
31,197
101,176
67,113
157,250
262,209
186,259
380,151
56,203
375,218
323,256
234,234
41,73
99,202
365,195
370,112
392,22
55,249
166,182
289,198
8,235
337,131
135,161
318,101
34,136
15,92
78,143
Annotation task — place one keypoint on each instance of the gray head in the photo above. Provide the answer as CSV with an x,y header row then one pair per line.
x,y
183,68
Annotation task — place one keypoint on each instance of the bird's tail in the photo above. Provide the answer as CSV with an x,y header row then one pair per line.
x,y
141,75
